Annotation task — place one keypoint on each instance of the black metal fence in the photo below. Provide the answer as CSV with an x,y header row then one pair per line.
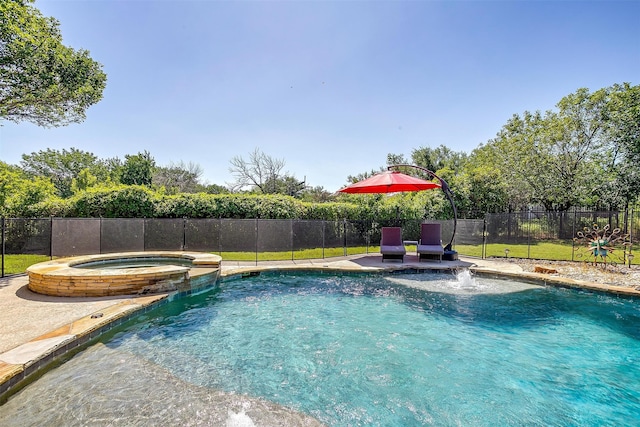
x,y
523,234
533,232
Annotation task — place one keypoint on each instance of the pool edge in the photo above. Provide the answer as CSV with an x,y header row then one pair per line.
x,y
73,336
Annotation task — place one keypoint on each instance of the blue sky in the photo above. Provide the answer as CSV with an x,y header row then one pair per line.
x,y
330,87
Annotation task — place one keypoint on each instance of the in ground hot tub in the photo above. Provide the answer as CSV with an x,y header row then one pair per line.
x,y
126,273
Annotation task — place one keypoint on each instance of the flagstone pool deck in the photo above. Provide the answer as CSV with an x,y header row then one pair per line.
x,y
36,329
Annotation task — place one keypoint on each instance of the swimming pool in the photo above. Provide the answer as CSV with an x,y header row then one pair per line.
x,y
358,350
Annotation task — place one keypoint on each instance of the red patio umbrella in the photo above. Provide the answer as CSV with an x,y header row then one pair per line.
x,y
390,182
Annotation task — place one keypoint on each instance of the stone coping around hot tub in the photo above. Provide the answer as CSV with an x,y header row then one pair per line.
x,y
196,258
65,277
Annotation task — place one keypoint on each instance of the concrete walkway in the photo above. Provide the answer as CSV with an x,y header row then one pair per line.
x,y
25,315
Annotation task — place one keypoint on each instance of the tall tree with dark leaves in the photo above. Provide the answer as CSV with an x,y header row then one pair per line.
x,y
62,167
41,80
138,169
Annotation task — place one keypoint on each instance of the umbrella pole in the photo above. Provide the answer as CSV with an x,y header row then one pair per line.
x,y
447,192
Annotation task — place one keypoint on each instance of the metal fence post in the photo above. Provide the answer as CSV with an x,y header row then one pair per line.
x,y
529,235
631,230
257,224
483,252
220,236
324,226
51,237
573,234
369,230
3,247
344,240
184,233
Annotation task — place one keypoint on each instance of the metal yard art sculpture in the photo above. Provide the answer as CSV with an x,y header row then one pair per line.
x,y
608,246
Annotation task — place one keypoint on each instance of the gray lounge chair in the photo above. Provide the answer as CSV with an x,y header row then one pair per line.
x,y
391,246
430,242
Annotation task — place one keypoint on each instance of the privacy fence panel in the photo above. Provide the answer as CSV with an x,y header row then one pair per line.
x,y
75,236
27,236
447,230
356,237
410,230
468,232
122,235
238,235
307,239
163,234
375,234
23,242
469,238
335,238
504,228
202,235
274,236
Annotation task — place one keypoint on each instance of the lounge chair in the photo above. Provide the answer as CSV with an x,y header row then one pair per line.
x,y
391,246
430,242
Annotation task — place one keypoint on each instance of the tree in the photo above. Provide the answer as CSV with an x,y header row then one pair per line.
x,y
438,158
108,171
623,110
557,159
61,167
84,180
623,127
317,194
396,159
17,190
178,178
288,185
213,189
351,179
263,174
41,80
479,189
10,176
138,169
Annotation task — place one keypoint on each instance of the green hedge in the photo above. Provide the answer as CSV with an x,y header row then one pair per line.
x,y
132,201
141,202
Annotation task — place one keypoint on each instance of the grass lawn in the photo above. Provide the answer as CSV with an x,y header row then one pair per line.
x,y
557,251
316,253
554,251
561,251
15,264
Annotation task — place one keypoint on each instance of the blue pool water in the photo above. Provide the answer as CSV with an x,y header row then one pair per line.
x,y
400,350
